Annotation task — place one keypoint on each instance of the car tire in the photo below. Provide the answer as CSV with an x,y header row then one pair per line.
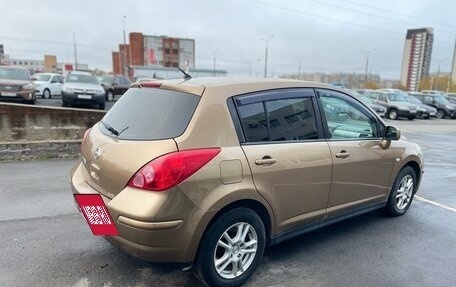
x,y
440,114
109,96
392,114
225,242
46,94
101,106
402,192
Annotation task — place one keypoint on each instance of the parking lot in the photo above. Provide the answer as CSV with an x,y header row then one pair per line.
x,y
45,242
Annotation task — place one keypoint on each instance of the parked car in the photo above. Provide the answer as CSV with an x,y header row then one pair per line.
x,y
443,106
210,172
381,111
48,84
82,88
451,99
433,92
114,85
16,85
395,103
424,111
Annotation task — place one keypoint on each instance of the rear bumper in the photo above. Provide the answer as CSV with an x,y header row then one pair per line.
x,y
163,234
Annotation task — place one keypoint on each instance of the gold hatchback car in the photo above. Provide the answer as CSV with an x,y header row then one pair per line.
x,y
210,172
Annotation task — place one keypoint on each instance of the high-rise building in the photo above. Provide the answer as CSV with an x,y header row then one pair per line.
x,y
417,57
162,51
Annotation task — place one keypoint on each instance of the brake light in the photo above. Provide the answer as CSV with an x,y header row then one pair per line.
x,y
151,84
171,169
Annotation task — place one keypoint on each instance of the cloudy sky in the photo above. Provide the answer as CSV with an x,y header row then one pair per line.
x,y
319,35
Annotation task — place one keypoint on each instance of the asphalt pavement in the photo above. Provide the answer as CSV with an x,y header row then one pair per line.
x,y
45,242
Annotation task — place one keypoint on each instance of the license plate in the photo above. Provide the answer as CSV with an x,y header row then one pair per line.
x,y
96,214
413,112
6,94
432,114
85,97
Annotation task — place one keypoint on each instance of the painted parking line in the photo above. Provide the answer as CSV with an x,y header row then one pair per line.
x,y
435,203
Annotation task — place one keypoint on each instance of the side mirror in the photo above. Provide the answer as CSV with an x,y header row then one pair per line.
x,y
392,133
33,79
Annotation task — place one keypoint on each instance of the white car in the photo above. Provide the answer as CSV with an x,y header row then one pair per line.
x,y
48,84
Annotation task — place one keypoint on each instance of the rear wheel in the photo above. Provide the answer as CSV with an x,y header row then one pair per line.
x,y
402,192
231,249
392,114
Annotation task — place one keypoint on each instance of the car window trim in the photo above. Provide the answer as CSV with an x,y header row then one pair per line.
x,y
379,125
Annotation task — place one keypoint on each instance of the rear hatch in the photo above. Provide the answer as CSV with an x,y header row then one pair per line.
x,y
138,128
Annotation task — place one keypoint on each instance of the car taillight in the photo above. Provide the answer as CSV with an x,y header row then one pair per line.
x,y
171,169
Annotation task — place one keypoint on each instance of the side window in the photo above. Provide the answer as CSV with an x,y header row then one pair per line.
x,y
253,121
291,119
382,97
55,79
346,119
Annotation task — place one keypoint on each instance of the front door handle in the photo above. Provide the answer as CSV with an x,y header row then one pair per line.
x,y
342,154
265,161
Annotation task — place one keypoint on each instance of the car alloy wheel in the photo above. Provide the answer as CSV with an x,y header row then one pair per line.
x,y
46,94
235,250
392,114
109,96
231,248
440,114
402,192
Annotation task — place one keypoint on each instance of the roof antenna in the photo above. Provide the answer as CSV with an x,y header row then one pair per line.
x,y
186,75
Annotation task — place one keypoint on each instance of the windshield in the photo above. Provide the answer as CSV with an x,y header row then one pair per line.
x,y
14,74
81,79
441,100
413,100
396,98
42,77
150,114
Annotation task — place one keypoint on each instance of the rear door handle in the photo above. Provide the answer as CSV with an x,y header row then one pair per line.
x,y
342,154
265,161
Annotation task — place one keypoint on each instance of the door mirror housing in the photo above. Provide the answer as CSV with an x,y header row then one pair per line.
x,y
392,133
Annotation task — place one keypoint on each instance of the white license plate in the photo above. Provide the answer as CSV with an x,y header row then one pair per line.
x,y
85,97
6,94
432,114
413,112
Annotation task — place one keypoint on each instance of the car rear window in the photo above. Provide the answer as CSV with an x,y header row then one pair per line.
x,y
150,114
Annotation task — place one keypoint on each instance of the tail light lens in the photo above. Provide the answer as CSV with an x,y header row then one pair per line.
x,y
171,169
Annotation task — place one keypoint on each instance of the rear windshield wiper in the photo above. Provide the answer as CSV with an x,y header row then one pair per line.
x,y
113,130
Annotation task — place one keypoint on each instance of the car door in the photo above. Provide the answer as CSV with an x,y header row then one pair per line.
x,y
361,166
289,159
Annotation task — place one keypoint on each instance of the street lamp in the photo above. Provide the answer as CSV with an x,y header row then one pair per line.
x,y
215,60
266,56
124,49
367,64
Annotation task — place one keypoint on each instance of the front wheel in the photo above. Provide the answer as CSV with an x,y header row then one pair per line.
x,y
46,94
440,114
402,192
231,249
392,114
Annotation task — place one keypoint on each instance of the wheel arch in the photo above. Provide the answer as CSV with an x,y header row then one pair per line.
x,y
252,204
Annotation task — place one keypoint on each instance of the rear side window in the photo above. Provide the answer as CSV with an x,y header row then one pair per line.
x,y
273,117
150,114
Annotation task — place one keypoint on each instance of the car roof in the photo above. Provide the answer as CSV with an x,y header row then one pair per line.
x,y
236,86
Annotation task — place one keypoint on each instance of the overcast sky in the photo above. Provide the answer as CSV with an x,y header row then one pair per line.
x,y
322,35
